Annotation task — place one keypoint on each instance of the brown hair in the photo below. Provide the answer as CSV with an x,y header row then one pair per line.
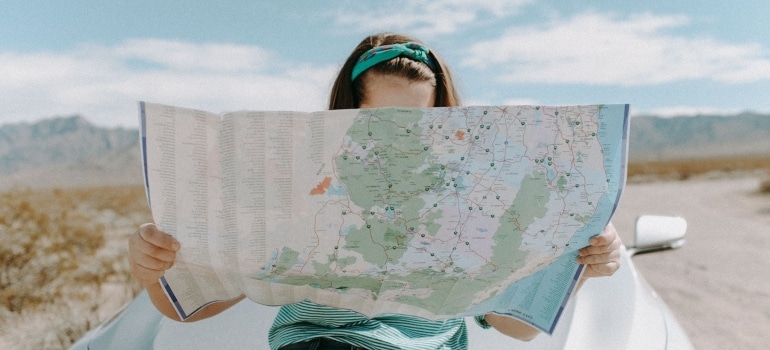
x,y
347,94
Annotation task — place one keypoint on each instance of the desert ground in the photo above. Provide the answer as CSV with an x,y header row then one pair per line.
x,y
717,285
64,261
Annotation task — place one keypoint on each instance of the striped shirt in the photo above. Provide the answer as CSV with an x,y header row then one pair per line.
x,y
306,320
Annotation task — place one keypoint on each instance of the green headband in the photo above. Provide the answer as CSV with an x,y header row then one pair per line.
x,y
384,53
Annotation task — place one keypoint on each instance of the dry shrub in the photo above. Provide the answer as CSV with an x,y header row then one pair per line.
x,y
59,248
764,185
40,247
683,169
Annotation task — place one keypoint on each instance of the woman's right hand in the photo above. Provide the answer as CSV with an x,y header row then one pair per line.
x,y
150,253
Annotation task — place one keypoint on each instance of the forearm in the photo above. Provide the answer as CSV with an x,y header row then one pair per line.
x,y
161,302
511,327
515,328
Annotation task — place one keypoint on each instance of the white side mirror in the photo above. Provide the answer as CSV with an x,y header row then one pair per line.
x,y
655,233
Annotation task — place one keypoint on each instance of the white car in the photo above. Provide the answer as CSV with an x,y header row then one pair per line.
x,y
618,312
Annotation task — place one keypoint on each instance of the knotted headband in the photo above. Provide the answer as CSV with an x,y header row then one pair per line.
x,y
384,53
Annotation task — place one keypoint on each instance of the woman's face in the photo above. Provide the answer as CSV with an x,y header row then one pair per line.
x,y
392,91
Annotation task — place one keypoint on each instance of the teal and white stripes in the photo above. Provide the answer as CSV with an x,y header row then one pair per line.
x,y
306,320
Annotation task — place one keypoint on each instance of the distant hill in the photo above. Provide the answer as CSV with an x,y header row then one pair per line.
x,y
67,152
118,167
656,139
57,141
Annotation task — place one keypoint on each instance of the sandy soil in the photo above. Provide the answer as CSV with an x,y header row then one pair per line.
x,y
718,284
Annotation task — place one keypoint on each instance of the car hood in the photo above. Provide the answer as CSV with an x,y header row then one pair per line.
x,y
617,312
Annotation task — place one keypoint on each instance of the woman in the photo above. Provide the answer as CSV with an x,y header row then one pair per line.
x,y
384,70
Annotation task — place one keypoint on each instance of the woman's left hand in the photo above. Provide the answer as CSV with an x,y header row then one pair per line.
x,y
602,256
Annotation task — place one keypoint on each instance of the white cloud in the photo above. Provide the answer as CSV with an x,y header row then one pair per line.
x,y
103,83
190,56
424,18
594,48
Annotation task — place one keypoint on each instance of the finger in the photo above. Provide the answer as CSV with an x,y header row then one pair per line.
x,y
601,270
153,263
604,238
612,256
138,246
151,234
146,271
601,249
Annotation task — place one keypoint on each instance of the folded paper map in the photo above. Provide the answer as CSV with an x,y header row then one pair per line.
x,y
432,212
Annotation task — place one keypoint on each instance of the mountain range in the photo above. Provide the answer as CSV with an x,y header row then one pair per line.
x,y
67,152
658,139
71,152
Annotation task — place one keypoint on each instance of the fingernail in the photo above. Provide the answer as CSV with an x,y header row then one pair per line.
x,y
175,246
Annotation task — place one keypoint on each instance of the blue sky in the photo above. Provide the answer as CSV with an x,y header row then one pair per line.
x,y
97,58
